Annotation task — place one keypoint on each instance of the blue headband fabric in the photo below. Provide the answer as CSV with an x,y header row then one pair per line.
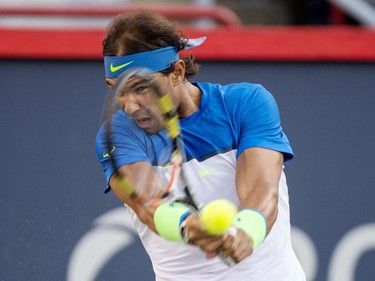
x,y
155,60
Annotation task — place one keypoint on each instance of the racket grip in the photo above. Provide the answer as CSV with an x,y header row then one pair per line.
x,y
228,261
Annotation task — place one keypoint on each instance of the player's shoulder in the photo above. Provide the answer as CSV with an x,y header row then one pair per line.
x,y
243,89
237,89
245,94
238,95
247,86
233,89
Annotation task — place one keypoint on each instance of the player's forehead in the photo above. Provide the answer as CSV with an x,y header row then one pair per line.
x,y
133,80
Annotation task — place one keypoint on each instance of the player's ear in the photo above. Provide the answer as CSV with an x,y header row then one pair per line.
x,y
178,74
110,82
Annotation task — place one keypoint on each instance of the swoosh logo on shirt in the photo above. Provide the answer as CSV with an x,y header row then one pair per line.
x,y
116,68
203,173
108,154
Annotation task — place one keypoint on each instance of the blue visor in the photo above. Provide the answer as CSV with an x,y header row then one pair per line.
x,y
155,60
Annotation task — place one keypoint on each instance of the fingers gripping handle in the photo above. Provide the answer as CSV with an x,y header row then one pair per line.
x,y
232,231
228,260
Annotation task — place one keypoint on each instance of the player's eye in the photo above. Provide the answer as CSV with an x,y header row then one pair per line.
x,y
140,89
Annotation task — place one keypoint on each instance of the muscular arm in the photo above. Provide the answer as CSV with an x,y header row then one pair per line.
x,y
147,182
257,181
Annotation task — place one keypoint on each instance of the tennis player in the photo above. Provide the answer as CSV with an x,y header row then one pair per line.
x,y
235,149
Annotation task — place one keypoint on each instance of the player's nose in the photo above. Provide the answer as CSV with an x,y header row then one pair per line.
x,y
128,104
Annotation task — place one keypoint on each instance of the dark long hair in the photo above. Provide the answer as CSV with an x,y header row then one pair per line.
x,y
142,31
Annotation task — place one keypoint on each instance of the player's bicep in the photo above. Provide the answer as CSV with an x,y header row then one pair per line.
x,y
258,166
257,181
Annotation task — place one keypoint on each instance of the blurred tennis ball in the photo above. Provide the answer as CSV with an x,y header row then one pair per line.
x,y
217,216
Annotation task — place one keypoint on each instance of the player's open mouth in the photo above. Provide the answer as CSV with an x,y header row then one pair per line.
x,y
144,122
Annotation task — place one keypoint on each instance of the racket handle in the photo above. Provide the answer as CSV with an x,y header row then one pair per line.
x,y
228,261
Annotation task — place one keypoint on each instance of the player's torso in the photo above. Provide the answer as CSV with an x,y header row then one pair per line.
x,y
210,141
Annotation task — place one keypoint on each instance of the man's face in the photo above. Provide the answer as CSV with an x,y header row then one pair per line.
x,y
139,101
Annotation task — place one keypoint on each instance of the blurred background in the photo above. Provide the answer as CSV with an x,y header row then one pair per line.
x,y
249,12
316,57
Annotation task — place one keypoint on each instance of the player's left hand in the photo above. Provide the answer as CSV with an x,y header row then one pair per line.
x,y
195,235
236,245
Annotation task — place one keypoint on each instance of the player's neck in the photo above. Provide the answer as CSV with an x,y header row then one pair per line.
x,y
190,100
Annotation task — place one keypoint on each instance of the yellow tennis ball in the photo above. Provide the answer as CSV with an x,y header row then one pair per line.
x,y
217,216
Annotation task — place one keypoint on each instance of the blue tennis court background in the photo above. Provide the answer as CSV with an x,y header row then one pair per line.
x,y
51,182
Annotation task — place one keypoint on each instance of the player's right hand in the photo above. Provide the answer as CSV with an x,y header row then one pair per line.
x,y
238,246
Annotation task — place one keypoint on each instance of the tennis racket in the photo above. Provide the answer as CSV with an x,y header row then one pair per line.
x,y
140,78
